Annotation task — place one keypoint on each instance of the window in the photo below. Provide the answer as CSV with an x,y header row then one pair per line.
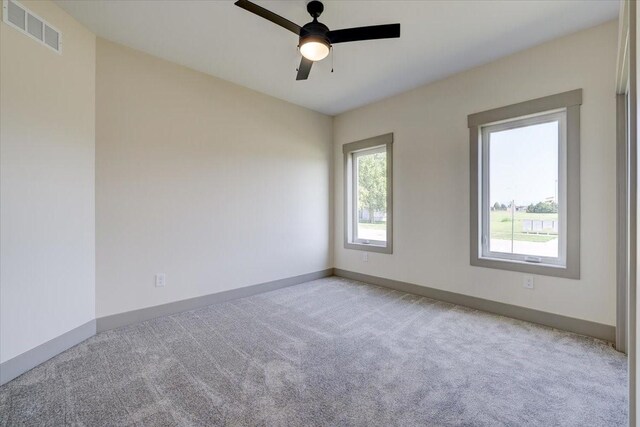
x,y
368,202
523,203
525,186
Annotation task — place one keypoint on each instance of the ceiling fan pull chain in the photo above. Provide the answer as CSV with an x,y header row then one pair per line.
x,y
332,58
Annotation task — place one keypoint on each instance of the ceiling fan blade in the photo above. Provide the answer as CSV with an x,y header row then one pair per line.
x,y
388,31
267,14
304,69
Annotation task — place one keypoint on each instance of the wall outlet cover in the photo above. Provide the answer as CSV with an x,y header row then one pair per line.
x,y
527,282
160,280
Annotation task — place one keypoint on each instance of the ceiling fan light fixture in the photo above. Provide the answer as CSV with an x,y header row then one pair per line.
x,y
315,39
314,49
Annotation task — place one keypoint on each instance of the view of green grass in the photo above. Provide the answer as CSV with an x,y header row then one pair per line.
x,y
372,226
501,226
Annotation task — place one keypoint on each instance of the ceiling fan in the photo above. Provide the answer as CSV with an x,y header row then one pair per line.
x,y
315,38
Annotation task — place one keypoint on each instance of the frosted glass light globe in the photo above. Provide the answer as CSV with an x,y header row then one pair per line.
x,y
314,51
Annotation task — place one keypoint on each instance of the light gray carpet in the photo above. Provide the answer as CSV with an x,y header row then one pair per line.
x,y
331,352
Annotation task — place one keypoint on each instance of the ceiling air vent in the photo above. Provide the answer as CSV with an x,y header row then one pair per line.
x,y
27,22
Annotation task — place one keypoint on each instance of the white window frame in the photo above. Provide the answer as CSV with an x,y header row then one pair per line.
x,y
352,151
564,107
518,123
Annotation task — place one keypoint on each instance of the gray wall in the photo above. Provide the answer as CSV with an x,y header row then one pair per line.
x,y
431,175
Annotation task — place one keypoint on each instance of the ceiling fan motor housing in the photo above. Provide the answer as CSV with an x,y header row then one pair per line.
x,y
314,31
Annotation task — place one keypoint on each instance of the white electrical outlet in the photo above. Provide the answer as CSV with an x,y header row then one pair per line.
x,y
365,256
527,282
160,280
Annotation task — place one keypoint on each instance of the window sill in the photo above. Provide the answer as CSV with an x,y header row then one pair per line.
x,y
369,247
522,262
542,269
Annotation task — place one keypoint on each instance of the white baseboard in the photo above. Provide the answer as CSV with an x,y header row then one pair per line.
x,y
136,316
20,364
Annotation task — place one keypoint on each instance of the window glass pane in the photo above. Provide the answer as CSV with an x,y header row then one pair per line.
x,y
371,195
523,190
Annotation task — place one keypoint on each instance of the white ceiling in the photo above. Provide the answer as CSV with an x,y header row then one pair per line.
x,y
438,38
